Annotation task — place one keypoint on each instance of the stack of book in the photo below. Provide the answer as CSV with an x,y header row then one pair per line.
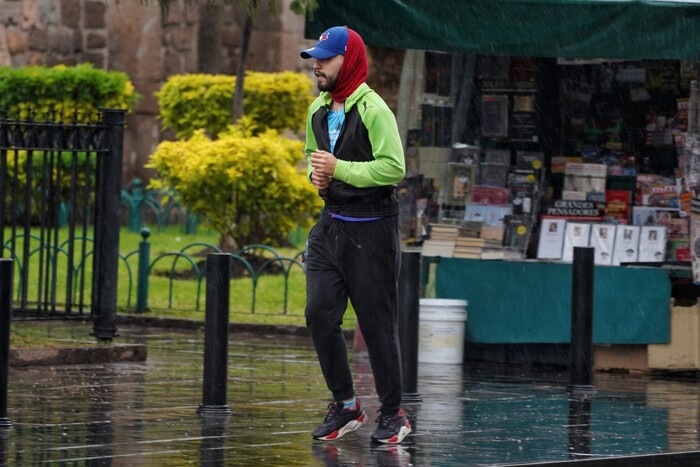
x,y
442,240
468,247
478,248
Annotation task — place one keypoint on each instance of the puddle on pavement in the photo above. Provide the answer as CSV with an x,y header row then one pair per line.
x,y
146,413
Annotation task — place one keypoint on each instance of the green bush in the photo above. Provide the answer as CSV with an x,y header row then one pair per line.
x,y
276,101
69,90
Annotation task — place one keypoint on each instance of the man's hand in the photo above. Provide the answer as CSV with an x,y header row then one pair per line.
x,y
320,181
323,163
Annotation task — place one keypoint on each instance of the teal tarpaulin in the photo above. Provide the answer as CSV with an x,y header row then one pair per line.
x,y
530,302
536,28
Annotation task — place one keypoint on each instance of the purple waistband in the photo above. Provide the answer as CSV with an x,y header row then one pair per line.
x,y
353,219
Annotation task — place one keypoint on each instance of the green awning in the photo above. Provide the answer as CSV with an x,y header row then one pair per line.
x,y
612,29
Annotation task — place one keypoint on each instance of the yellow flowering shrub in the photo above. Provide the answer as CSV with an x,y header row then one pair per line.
x,y
200,101
250,188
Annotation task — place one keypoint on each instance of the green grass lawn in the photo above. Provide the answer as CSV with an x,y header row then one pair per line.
x,y
174,290
185,298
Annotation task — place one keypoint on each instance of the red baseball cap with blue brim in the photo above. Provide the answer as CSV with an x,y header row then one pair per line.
x,y
332,42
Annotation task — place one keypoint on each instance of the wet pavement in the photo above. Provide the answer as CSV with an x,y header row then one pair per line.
x,y
145,413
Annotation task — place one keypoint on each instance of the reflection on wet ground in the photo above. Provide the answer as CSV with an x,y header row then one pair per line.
x,y
146,413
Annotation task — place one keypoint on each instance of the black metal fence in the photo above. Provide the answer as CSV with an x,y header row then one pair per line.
x,y
60,188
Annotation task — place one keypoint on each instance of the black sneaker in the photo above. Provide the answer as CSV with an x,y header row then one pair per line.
x,y
392,429
339,421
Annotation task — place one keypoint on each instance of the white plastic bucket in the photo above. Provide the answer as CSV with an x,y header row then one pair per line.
x,y
441,330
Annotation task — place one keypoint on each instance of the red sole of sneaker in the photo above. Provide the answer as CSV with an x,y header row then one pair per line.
x,y
396,439
353,425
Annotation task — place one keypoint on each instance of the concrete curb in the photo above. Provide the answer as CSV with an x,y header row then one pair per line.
x,y
50,356
176,323
115,353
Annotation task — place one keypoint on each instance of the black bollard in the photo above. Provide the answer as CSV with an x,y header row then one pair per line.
x,y
409,302
581,351
5,312
579,427
212,449
216,335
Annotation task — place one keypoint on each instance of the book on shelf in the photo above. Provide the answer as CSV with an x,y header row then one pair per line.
x,y
576,169
497,156
492,232
465,154
522,197
470,229
490,195
585,178
496,214
618,205
530,159
475,212
603,241
460,183
551,241
495,253
656,190
468,247
679,250
523,175
493,174
652,244
575,234
517,232
584,184
558,164
444,231
626,249
653,215
567,195
574,210
438,248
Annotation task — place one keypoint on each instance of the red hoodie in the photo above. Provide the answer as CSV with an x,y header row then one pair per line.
x,y
353,71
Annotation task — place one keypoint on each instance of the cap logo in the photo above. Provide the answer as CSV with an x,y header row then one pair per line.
x,y
323,37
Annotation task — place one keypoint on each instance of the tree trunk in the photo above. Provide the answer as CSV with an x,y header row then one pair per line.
x,y
240,71
209,50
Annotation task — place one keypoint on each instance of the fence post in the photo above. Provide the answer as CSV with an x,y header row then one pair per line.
x,y
5,312
216,335
143,269
135,200
409,303
581,353
107,220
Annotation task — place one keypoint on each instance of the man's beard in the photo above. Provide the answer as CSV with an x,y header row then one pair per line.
x,y
329,86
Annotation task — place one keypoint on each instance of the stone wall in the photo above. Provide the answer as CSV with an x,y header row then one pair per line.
x,y
134,37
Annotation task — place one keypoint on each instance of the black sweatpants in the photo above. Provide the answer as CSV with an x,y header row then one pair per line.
x,y
359,261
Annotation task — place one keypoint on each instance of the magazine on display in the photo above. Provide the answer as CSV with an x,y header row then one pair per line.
x,y
626,248
551,240
575,234
652,244
603,241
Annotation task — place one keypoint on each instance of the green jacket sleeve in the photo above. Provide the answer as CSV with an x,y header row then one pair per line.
x,y
388,166
311,144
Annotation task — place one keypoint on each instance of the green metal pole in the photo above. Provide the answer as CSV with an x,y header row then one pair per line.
x,y
135,208
142,275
